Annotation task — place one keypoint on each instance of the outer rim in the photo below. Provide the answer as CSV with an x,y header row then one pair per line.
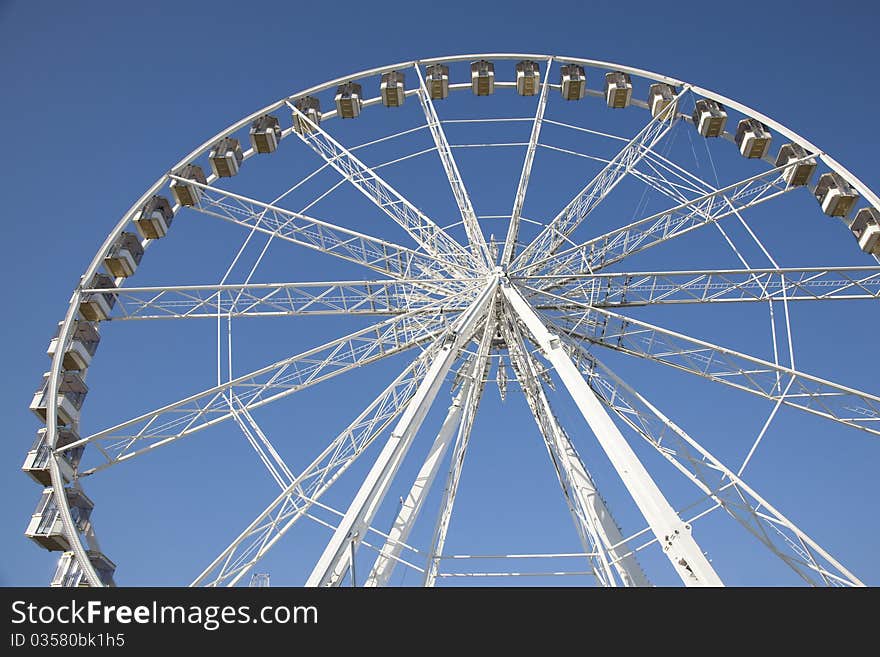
x,y
65,331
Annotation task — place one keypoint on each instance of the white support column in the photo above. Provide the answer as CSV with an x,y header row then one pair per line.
x,y
598,530
673,534
462,440
415,499
334,561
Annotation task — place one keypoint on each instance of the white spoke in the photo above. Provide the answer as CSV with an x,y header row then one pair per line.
x,y
589,198
471,226
521,189
422,229
379,297
854,408
336,558
721,286
209,407
674,535
620,243
376,254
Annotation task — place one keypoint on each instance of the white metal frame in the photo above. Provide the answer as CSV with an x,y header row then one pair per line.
x,y
559,299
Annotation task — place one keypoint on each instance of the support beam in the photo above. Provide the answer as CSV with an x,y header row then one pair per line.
x,y
371,252
615,245
462,440
600,535
415,499
471,226
621,290
335,560
761,519
673,534
378,297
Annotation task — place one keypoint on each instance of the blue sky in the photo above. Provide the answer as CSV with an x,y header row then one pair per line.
x,y
100,98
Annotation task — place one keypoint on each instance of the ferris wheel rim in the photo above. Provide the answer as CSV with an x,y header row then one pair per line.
x,y
65,331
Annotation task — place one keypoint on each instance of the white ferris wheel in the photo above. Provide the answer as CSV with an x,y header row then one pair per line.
x,y
543,303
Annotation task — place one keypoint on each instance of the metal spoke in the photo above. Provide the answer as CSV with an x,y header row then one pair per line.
x,y
620,243
520,198
298,497
589,198
600,535
265,385
336,559
607,290
674,535
378,297
427,234
797,550
376,254
848,406
471,226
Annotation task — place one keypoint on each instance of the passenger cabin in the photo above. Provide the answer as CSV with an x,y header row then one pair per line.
x,y
710,118
618,89
573,81
36,463
82,345
866,228
96,306
265,134
311,108
349,100
226,157
69,574
661,96
72,392
184,192
437,81
836,196
46,527
154,218
392,89
752,138
124,256
482,78
528,78
796,175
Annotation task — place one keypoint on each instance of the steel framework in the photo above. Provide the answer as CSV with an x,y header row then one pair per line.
x,y
551,305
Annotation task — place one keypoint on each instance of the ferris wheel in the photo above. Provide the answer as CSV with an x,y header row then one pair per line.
x,y
544,304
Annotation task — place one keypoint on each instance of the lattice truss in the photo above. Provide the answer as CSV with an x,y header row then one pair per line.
x,y
530,315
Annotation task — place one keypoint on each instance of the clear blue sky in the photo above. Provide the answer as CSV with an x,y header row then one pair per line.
x,y
100,98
